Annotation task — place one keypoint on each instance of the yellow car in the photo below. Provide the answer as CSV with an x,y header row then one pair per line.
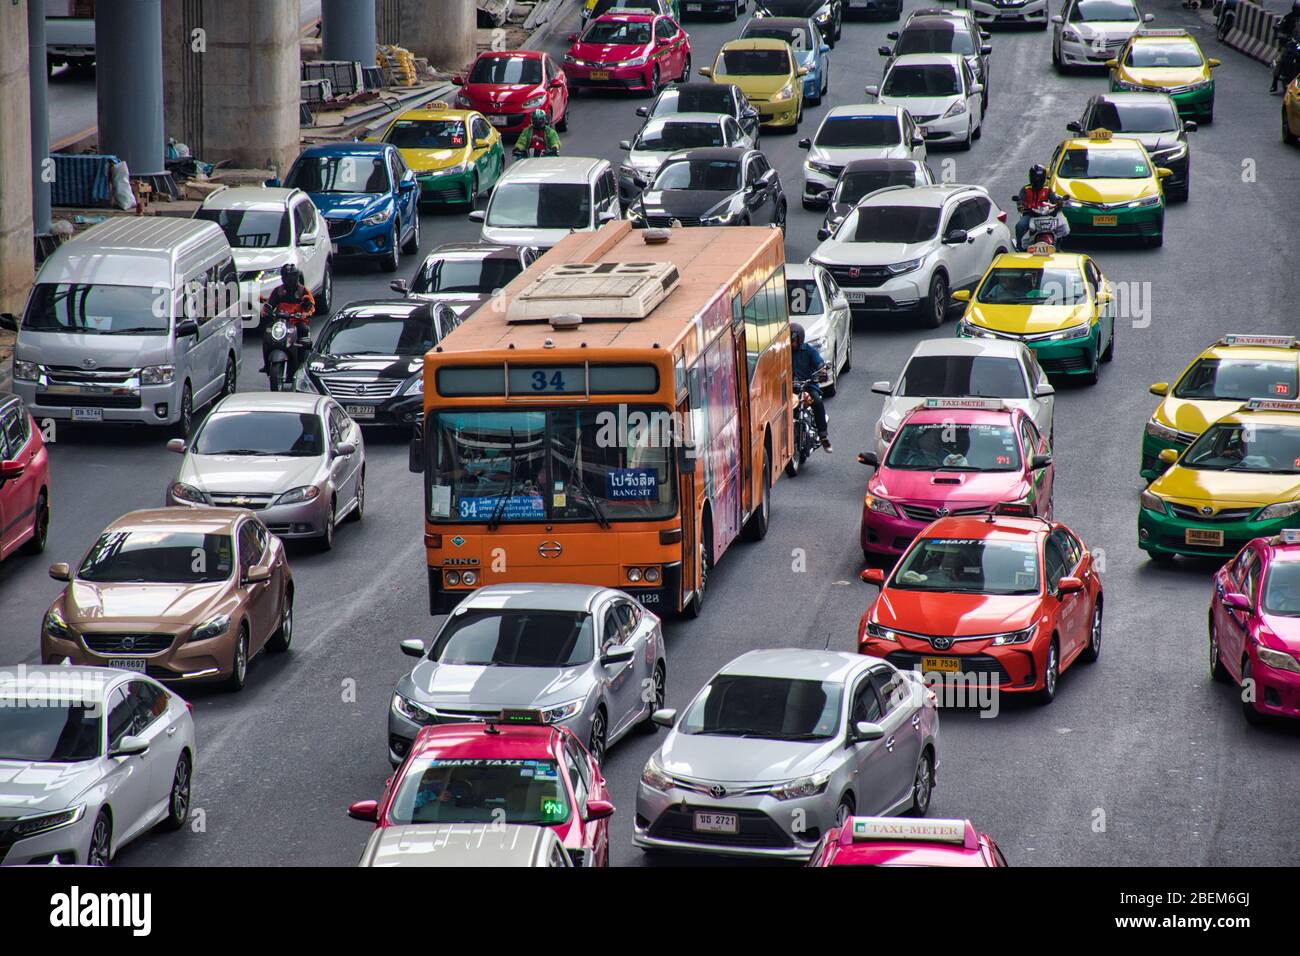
x,y
1239,480
767,72
1291,113
455,154
1233,370
1169,61
1057,303
1111,187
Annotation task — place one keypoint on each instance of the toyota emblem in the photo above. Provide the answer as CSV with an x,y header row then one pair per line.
x,y
941,643
717,791
88,363
549,549
941,512
1206,510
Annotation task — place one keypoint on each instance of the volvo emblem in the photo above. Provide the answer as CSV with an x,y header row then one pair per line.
x,y
549,549
1207,510
88,363
941,643
128,643
717,791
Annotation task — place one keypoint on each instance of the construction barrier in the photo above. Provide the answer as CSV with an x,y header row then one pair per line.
x,y
1252,32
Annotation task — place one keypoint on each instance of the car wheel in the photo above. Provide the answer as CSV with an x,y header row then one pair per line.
x,y
848,354
970,136
473,191
686,70
390,260
1092,376
178,800
1217,671
229,385
596,742
1051,674
922,786
185,422
1288,137
828,390
696,605
1109,354
325,301
359,511
934,308
239,661
283,636
660,684
755,528
1093,650
1158,240
735,12
654,81
40,526
326,540
796,462
101,841
1253,716
844,811
412,245
781,215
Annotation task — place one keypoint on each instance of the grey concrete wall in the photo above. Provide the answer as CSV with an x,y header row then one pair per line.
x,y
441,30
16,250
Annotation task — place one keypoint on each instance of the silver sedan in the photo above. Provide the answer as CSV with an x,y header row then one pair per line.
x,y
589,658
298,460
664,135
780,746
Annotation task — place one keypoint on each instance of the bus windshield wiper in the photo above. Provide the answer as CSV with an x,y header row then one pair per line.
x,y
590,500
495,521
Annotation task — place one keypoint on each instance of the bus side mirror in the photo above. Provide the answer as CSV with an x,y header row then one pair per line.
x,y
415,460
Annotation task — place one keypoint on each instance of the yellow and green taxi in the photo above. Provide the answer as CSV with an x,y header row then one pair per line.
x,y
455,154
1233,370
1239,480
767,72
1057,303
1168,61
1291,113
1110,187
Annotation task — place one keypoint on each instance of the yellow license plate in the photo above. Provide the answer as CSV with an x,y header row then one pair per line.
x,y
600,74
1203,536
1105,220
944,665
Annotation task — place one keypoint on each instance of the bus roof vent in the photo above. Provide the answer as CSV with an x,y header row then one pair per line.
x,y
604,290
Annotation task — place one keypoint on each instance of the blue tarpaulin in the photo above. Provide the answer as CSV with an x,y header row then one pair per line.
x,y
82,180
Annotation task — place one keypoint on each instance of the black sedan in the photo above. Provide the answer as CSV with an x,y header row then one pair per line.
x,y
721,186
862,177
1152,118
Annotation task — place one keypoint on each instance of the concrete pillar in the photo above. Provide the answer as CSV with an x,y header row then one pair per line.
x,y
38,77
348,30
128,64
441,30
232,71
16,249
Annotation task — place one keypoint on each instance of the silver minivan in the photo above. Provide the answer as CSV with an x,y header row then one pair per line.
x,y
135,320
539,201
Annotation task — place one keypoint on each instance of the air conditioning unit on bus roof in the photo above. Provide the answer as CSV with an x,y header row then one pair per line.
x,y
603,290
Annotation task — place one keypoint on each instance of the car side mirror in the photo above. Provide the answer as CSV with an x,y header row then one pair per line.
x,y
1068,585
1074,126
918,142
414,647
257,574
882,388
705,71
824,48
619,654
186,327
805,143
643,111
1164,173
874,576
977,88
1044,390
367,810
865,730
869,458
307,239
8,321
399,285
891,35
598,810
1112,64
1159,388
1189,126
664,717
60,571
986,49
129,746
478,215
1039,462
177,445
961,295
271,183
573,38
823,234
954,237
482,143
1237,601
1058,19
11,469
406,185
415,456
802,71
1168,456
458,80
557,82
885,50
871,90
1148,17
345,448
625,145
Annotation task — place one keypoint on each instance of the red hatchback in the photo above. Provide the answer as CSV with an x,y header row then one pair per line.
x,y
629,51
506,87
24,481
516,769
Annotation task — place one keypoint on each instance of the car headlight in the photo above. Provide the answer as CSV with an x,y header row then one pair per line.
x,y
957,109
26,371
880,505
882,633
157,375
971,331
56,626
822,167
295,495
885,434
184,492
1153,502
1128,85
898,268
1273,512
381,216
44,822
784,93
717,218
1279,659
463,102
653,776
559,712
1162,432
1073,332
1074,204
808,786
1145,201
534,102
302,382
212,627
1202,84
409,709
1071,35
1165,155
635,61
1015,637
415,387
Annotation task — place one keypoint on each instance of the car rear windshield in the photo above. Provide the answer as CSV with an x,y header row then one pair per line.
x,y
905,224
1253,447
507,71
1282,589
936,40
365,173
515,638
540,206
466,276
44,729
264,434
794,36
935,79
962,376
468,790
715,99
618,32
969,566
426,134
1009,286
1178,55
1231,378
250,228
1134,117
852,187
362,334
718,175
1112,11
861,131
949,446
96,309
672,136
1103,164
754,63
804,297
158,557
770,708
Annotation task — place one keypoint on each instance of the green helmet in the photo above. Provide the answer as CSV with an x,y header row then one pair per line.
x,y
539,119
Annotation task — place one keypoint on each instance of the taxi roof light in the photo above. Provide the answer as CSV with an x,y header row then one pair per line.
x,y
522,716
1012,510
1265,341
900,830
1162,32
1042,249
974,404
1290,536
1100,134
1271,405
437,105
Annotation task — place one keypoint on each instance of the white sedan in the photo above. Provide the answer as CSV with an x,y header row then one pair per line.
x,y
939,91
819,305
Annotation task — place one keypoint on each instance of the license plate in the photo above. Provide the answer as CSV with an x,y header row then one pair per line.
x,y
1043,224
858,297
944,665
694,8
1203,536
716,822
1105,220
497,120
87,414
600,74
127,663
360,411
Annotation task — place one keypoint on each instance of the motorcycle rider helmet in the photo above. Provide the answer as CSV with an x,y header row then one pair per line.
x,y
289,276
1295,8
797,335
1038,172
539,116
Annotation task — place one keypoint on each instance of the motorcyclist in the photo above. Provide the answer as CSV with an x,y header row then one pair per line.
x,y
293,301
539,135
807,361
1284,33
1035,194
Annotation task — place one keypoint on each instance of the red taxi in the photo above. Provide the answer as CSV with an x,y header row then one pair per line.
x,y
506,86
1255,626
1006,600
24,480
629,51
517,769
896,841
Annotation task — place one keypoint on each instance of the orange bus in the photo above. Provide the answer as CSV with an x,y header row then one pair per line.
x,y
617,415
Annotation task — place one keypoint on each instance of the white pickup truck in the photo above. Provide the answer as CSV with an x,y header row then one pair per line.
x,y
70,34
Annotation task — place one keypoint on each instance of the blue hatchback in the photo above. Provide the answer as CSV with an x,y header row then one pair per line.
x,y
368,196
810,49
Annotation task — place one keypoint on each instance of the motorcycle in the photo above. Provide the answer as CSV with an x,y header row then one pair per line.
x,y
1047,225
1287,62
1225,15
805,422
287,346
536,147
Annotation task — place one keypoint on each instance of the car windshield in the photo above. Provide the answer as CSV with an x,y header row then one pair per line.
x,y
618,32
1050,286
718,175
905,224
466,790
931,79
936,40
753,63
262,434
853,187
803,296
962,376
1251,447
1282,589
250,228
969,566
771,708
1111,11
949,446
96,309
859,131
466,276
1087,163
716,98
540,206
1158,117
515,638
362,334
1227,379
796,37
426,134
39,728
363,173
158,557
1177,55
507,71
562,464
672,136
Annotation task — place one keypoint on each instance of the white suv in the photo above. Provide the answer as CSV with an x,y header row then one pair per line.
x,y
940,91
904,249
539,201
848,133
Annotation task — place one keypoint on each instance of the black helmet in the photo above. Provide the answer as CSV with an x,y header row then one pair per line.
x,y
1295,7
539,116
1038,172
797,335
289,275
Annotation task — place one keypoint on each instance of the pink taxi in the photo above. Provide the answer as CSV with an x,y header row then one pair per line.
x,y
896,841
953,456
1255,626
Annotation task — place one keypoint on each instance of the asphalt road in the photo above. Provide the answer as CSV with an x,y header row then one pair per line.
x,y
1141,759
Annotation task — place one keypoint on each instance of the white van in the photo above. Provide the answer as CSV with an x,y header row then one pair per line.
x,y
539,201
135,320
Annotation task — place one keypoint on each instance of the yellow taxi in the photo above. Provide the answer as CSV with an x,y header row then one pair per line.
x,y
1235,369
1291,113
1169,61
455,154
1057,303
767,72
1239,480
1110,186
